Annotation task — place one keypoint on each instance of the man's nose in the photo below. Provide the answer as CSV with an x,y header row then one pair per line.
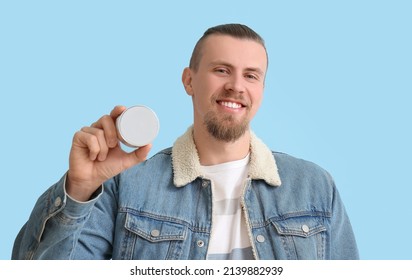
x,y
235,83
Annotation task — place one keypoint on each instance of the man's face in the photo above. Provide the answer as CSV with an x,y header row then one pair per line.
x,y
227,88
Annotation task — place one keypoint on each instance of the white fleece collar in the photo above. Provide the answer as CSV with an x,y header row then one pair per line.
x,y
186,163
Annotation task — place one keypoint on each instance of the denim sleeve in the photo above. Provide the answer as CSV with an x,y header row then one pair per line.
x,y
54,227
343,244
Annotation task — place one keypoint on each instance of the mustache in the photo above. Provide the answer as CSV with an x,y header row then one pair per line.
x,y
235,97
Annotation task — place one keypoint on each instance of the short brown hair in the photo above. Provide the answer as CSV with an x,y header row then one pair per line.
x,y
234,30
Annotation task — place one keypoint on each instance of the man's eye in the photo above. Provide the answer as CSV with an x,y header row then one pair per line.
x,y
221,70
251,76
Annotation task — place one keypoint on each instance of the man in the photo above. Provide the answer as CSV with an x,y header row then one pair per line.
x,y
219,193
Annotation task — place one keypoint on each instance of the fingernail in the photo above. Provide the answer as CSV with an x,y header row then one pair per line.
x,y
113,143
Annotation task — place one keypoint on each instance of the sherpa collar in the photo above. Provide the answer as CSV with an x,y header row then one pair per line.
x,y
186,164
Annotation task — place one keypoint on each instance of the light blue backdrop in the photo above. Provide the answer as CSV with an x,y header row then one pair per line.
x,y
338,92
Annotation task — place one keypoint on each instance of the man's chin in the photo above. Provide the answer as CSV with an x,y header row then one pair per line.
x,y
225,128
227,133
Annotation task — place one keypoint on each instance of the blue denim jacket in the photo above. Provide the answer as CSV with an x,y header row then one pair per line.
x,y
162,209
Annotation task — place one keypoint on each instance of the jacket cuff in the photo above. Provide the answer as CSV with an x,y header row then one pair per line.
x,y
77,209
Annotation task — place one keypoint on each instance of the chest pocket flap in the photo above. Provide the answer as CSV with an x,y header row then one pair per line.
x,y
155,230
299,226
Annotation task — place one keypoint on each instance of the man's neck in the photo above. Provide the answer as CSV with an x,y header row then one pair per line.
x,y
213,151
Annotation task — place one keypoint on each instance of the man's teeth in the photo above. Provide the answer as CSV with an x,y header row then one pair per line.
x,y
231,104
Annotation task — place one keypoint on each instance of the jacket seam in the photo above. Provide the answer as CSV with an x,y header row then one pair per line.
x,y
162,218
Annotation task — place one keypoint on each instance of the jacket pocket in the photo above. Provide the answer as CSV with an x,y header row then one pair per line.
x,y
302,237
153,237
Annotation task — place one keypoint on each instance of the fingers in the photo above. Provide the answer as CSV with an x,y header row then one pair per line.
x,y
101,136
107,125
137,156
117,111
96,142
142,152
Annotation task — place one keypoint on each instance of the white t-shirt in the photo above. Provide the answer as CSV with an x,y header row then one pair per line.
x,y
229,238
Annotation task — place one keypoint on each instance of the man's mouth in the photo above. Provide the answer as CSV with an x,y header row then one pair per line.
x,y
231,104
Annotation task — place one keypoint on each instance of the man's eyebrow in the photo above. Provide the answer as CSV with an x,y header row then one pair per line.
x,y
255,69
220,63
249,69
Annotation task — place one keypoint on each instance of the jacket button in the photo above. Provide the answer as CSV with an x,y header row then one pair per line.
x,y
205,183
260,238
200,243
305,228
155,233
58,201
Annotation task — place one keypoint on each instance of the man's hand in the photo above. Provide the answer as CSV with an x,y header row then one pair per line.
x,y
96,156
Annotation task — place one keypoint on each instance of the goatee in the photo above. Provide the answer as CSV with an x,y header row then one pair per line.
x,y
226,129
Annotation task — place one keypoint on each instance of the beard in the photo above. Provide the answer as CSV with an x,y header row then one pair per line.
x,y
225,128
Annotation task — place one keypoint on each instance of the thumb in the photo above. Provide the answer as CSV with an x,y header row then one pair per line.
x,y
137,156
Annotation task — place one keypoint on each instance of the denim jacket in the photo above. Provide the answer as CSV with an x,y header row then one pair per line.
x,y
162,209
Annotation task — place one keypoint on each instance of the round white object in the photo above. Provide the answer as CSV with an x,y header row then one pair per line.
x,y
137,126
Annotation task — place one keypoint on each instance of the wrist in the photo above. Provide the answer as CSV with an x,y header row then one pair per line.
x,y
78,192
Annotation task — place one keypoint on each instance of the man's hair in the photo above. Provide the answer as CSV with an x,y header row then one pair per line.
x,y
235,30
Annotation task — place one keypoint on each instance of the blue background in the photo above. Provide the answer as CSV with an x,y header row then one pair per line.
x,y
338,93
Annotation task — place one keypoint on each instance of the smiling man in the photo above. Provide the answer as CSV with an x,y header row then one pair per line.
x,y
226,85
218,193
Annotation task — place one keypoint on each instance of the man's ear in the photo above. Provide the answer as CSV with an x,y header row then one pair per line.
x,y
187,80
